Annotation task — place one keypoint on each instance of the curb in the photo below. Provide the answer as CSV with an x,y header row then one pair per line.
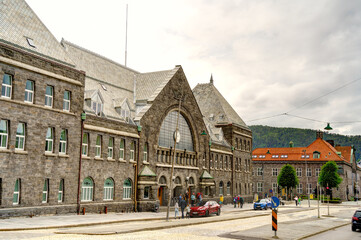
x,y
322,231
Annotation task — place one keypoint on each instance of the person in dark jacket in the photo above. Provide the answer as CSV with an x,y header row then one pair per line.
x,y
183,205
242,201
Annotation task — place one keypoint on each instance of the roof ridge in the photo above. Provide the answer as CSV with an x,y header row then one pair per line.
x,y
96,54
156,71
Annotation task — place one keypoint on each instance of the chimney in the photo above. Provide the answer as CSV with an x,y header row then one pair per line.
x,y
319,134
291,144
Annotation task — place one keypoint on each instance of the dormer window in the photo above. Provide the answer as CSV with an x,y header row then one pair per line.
x,y
316,154
97,104
211,117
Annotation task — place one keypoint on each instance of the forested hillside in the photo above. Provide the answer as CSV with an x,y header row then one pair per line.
x,y
265,136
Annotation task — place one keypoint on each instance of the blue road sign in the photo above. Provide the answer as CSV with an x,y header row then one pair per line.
x,y
275,202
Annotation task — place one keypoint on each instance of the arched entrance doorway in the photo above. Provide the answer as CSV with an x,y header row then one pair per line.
x,y
177,187
162,191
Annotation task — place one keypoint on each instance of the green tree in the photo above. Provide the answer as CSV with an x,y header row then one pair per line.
x,y
287,178
329,176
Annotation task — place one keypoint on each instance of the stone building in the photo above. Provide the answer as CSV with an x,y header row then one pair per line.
x,y
119,157
267,164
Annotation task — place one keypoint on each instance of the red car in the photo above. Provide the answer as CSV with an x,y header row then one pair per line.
x,y
205,209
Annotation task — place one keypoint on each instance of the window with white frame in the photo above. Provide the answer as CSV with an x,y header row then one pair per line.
x,y
6,87
259,171
29,91
66,101
97,104
16,195
87,190
145,152
98,147
274,171
20,137
49,94
63,141
317,171
108,189
84,145
308,172
259,187
49,140
110,148
229,188
45,191
299,188
274,188
132,150
299,172
121,149
316,154
221,188
4,133
309,188
127,189
146,192
61,191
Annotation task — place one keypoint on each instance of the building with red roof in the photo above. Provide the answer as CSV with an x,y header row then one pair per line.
x,y
307,161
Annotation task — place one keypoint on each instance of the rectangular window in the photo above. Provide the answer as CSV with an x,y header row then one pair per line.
x,y
6,87
63,141
274,171
49,140
121,149
66,101
259,171
146,192
299,172
309,188
16,195
29,91
309,172
132,150
299,188
145,152
61,191
318,170
110,148
84,146
4,133
98,147
49,93
20,137
259,187
275,188
45,191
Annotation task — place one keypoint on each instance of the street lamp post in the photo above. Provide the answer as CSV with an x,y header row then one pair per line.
x,y
308,192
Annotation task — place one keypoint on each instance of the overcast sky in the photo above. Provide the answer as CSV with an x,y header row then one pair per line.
x,y
267,57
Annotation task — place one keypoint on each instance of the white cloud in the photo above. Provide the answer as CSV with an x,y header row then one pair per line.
x,y
267,57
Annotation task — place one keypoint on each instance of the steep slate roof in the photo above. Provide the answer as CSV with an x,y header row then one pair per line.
x,y
211,101
327,153
18,21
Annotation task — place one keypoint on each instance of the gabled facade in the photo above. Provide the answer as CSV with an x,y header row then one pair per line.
x,y
119,157
307,161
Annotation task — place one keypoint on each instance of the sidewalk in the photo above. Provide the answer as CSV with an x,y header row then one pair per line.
x,y
73,220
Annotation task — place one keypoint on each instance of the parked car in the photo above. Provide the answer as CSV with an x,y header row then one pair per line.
x,y
205,209
356,220
262,204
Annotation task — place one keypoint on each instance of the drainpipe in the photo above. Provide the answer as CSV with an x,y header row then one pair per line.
x,y
83,117
136,171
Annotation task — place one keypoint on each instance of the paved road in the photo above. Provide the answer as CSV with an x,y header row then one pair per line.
x,y
338,233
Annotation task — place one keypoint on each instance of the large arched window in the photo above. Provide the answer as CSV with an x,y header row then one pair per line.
x,y
166,134
221,188
108,189
127,189
87,190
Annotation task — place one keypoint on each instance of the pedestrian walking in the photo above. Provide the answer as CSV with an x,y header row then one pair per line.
x,y
176,210
241,201
180,198
221,200
188,210
296,200
299,200
235,201
193,199
183,205
200,198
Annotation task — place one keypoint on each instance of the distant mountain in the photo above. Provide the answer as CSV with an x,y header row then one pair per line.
x,y
265,136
